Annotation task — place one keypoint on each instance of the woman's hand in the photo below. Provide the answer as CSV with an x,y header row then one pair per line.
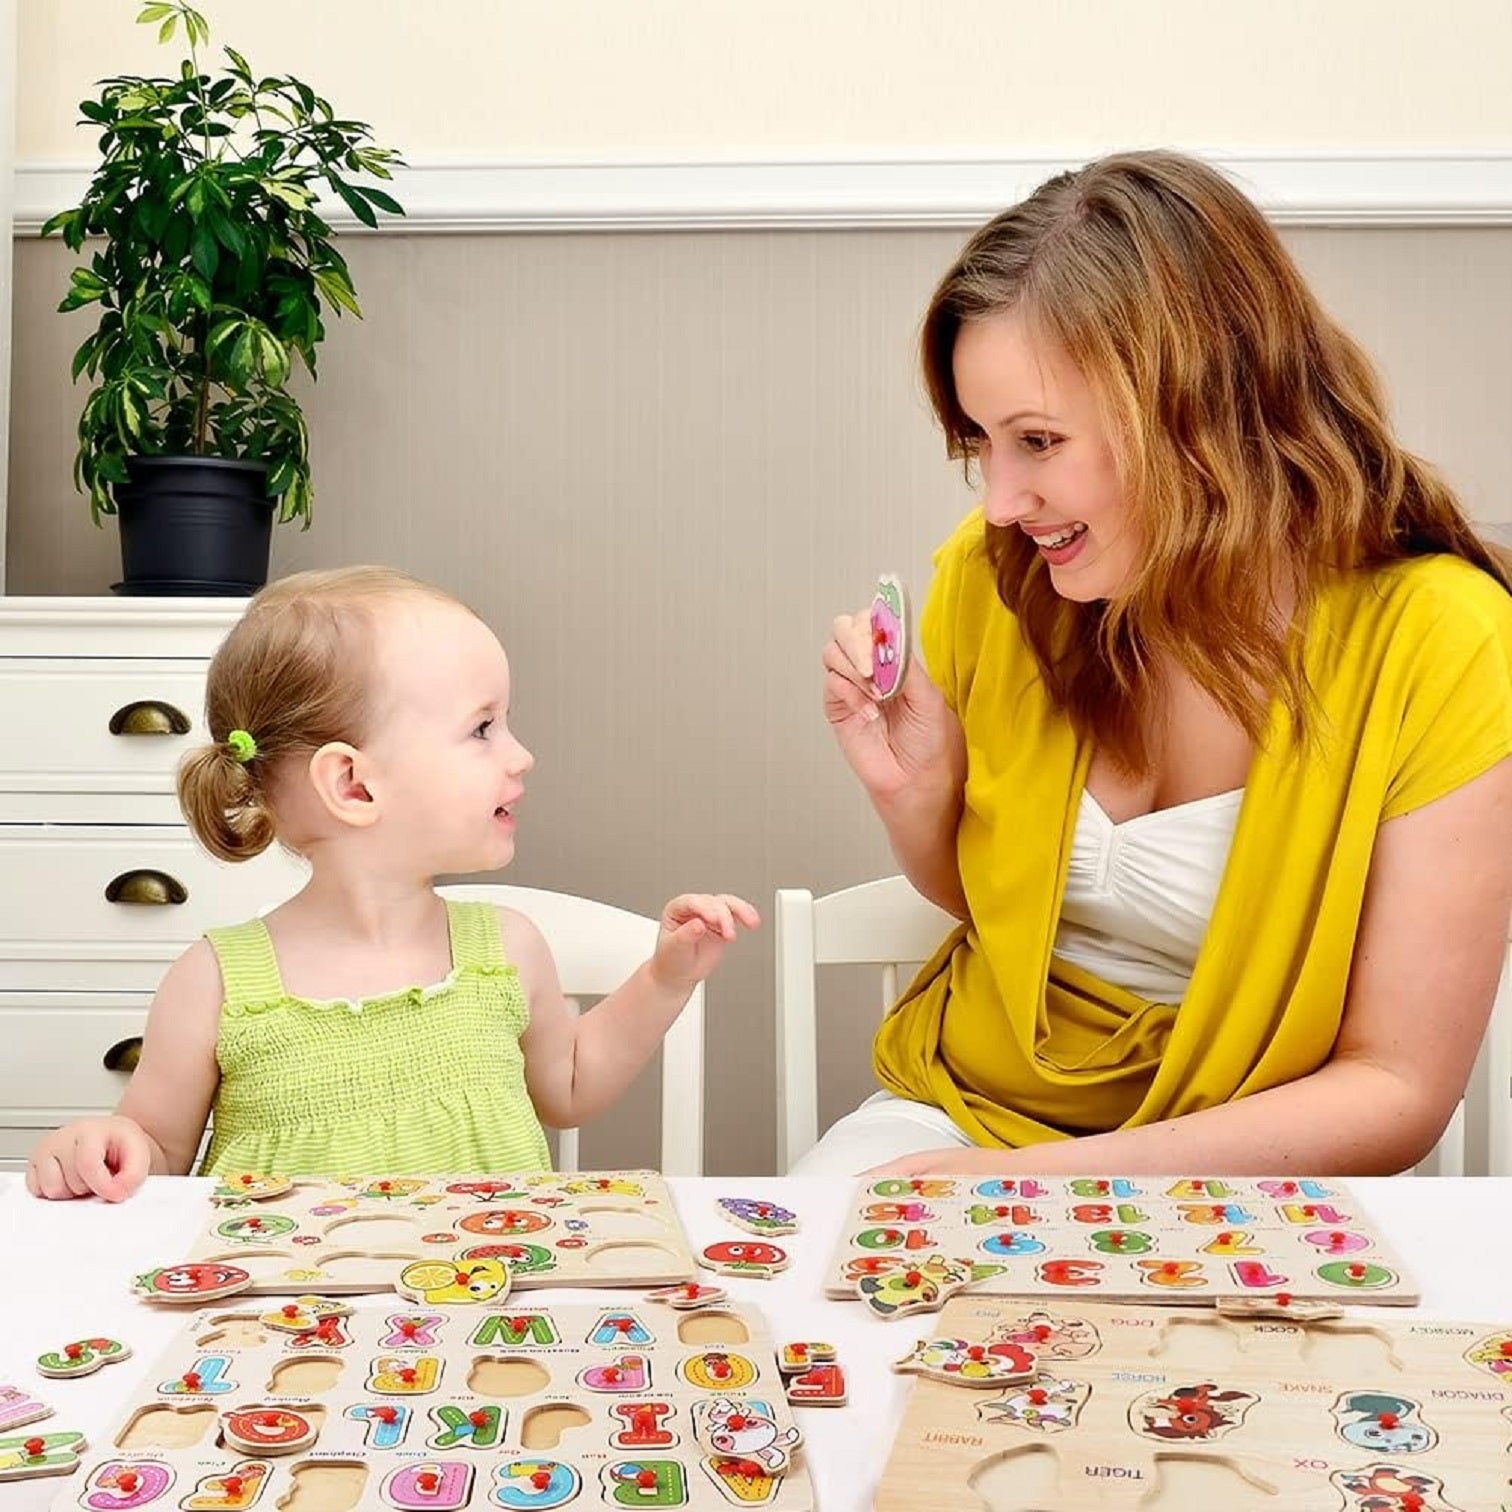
x,y
955,1161
911,740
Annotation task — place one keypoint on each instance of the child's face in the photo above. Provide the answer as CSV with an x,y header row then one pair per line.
x,y
445,769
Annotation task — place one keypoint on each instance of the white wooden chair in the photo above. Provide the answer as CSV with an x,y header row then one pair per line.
x,y
888,924
884,923
596,947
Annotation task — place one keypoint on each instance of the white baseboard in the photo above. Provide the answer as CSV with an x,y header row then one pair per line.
x,y
903,191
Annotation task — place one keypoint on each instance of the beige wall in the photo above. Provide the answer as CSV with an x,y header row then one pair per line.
x,y
466,78
659,464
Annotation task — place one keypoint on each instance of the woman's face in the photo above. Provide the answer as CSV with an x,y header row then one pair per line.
x,y
1047,464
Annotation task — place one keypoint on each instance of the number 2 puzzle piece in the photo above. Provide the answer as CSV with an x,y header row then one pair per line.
x,y
81,1358
756,1215
303,1314
24,1456
193,1281
968,1362
744,1257
446,1281
889,636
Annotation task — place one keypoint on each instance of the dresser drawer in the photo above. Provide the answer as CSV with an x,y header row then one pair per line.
x,y
57,1047
97,726
127,883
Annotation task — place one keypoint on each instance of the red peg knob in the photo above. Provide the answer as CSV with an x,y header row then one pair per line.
x,y
737,1421
1387,1420
1225,1238
407,1374
1283,1299
519,1324
192,1380
34,1447
386,1414
427,1480
719,1369
73,1351
289,1310
912,1278
801,1350
975,1352
1042,1332
478,1419
126,1480
233,1485
750,1469
1038,1396
624,1325
611,1372
690,1291
1356,1271
541,1479
646,1479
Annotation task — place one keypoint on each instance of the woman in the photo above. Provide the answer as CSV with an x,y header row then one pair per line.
x,y
1209,756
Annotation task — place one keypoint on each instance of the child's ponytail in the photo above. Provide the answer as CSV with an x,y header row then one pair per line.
x,y
223,800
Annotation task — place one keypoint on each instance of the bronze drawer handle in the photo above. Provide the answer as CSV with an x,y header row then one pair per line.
x,y
148,716
146,886
124,1054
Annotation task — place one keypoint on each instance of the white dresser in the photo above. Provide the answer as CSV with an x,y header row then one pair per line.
x,y
101,884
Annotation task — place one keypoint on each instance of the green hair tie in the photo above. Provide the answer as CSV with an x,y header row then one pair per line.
x,y
242,745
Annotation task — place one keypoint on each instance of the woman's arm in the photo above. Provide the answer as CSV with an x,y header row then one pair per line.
x,y
1427,960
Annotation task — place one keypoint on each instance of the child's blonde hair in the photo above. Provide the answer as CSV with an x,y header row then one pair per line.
x,y
294,674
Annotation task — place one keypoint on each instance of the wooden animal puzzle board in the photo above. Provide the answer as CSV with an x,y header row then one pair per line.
x,y
611,1228
1187,1240
439,1409
1144,1407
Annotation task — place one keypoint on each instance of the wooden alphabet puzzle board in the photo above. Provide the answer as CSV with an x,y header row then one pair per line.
x,y
1149,1408
1187,1240
440,1409
612,1228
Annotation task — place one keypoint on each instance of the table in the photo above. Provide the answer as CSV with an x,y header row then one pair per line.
x,y
65,1269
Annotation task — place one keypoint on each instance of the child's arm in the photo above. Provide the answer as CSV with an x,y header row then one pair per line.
x,y
576,1067
157,1125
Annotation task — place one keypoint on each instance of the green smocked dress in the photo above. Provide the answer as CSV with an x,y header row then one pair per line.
x,y
427,1079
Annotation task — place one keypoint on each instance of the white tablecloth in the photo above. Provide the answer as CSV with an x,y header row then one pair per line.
x,y
65,1268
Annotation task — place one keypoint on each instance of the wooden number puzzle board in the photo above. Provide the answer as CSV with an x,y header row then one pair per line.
x,y
520,1408
1143,1407
616,1228
1151,1239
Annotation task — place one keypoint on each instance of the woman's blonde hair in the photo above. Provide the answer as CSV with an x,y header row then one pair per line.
x,y
1251,434
294,674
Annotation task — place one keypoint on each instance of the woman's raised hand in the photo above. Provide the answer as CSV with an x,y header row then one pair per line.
x,y
912,739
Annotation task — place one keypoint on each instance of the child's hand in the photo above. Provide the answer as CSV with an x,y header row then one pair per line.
x,y
104,1157
695,928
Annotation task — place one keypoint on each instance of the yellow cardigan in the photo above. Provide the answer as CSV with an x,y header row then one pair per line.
x,y
1411,668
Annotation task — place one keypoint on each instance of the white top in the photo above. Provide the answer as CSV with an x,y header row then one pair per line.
x,y
1139,894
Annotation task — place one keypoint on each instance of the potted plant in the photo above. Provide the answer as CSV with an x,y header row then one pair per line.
x,y
212,268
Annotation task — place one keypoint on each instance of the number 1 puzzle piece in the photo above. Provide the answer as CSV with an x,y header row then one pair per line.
x,y
889,636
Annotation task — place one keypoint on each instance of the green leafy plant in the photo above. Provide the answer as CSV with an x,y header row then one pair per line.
x,y
212,266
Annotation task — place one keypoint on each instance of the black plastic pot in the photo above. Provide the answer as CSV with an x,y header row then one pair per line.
x,y
194,525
